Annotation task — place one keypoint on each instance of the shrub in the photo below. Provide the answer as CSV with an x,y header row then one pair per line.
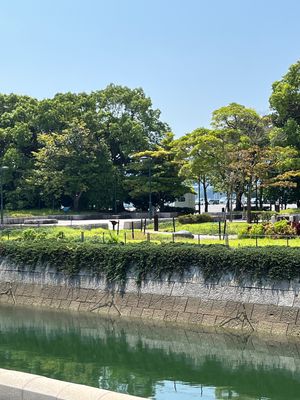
x,y
277,229
180,210
194,218
115,261
31,234
264,216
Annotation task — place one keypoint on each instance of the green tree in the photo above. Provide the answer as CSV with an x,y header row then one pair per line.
x,y
73,163
285,103
18,134
166,183
244,135
198,152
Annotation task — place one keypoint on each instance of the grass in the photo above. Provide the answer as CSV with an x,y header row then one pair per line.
x,y
42,212
99,235
206,228
290,211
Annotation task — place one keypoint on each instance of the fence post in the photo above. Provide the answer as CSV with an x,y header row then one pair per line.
x,y
124,237
141,225
198,238
173,237
145,223
226,240
148,237
103,239
220,230
256,241
287,241
132,230
82,236
174,225
118,227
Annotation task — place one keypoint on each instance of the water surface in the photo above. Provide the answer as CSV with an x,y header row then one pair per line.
x,y
160,362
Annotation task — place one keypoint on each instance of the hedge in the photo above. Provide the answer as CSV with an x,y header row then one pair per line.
x,y
195,218
114,261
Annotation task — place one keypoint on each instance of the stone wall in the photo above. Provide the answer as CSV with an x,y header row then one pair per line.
x,y
266,307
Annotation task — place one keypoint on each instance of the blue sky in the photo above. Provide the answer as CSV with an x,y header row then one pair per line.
x,y
190,56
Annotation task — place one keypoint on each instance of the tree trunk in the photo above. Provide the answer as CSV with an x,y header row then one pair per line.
x,y
238,203
249,203
199,195
205,196
261,204
256,196
76,201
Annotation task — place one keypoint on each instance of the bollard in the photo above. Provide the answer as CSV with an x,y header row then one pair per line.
x,y
226,240
155,221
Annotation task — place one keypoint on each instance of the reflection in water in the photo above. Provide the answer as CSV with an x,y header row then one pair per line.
x,y
153,361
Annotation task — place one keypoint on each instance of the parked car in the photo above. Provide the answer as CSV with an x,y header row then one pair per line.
x,y
213,201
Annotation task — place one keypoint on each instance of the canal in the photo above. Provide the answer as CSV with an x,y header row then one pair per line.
x,y
160,362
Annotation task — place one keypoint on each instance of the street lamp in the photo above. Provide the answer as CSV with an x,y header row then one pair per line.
x,y
3,167
149,183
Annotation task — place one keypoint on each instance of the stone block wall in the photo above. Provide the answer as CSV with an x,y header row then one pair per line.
x,y
266,307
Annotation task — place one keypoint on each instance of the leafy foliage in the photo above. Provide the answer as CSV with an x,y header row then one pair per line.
x,y
282,227
149,260
195,218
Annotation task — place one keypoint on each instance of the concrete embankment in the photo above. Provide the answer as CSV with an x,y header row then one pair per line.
x,y
265,307
16,385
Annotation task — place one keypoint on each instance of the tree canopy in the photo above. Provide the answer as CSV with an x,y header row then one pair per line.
x,y
96,150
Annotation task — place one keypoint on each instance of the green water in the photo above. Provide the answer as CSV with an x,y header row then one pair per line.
x,y
151,361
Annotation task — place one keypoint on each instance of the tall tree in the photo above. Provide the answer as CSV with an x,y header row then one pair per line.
x,y
285,103
18,134
160,169
72,163
244,133
198,152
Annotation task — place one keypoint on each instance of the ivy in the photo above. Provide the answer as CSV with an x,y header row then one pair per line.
x,y
114,261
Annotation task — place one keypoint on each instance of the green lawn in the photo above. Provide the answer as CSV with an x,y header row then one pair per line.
x,y
42,212
99,235
206,228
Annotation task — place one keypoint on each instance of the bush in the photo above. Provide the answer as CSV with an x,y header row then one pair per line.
x,y
194,218
115,261
264,216
279,228
31,234
180,210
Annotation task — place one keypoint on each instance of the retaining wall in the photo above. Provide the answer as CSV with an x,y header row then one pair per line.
x,y
267,307
22,386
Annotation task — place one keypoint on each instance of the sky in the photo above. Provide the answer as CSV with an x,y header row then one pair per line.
x,y
190,56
